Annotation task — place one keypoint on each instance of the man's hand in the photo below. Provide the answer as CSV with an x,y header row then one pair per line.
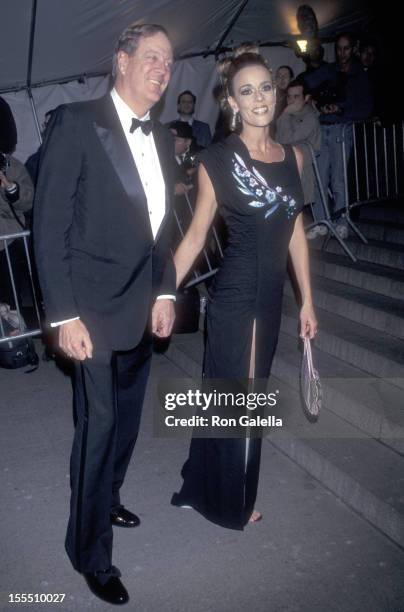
x,y
331,109
294,107
191,171
182,188
4,182
163,315
75,341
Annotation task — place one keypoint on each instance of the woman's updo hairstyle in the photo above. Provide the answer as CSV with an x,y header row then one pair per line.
x,y
244,56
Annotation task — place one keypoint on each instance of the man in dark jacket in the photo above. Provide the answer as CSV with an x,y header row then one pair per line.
x,y
186,107
343,94
102,250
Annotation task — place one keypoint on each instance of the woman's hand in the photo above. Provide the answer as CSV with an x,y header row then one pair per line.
x,y
308,322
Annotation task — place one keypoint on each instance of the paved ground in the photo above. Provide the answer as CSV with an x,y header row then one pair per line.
x,y
311,553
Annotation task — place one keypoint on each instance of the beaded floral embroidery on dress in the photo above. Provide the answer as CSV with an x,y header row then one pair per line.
x,y
253,184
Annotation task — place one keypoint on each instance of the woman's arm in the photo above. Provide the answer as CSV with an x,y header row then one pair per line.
x,y
299,254
194,240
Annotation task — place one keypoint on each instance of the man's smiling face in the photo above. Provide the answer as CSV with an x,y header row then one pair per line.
x,y
145,74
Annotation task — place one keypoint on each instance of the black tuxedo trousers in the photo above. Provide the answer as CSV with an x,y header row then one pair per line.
x,y
108,397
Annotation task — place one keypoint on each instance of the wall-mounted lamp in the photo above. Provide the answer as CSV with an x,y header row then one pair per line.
x,y
302,45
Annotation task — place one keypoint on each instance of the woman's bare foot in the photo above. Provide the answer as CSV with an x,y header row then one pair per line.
x,y
255,517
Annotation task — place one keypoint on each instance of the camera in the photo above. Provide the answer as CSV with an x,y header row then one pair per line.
x,y
326,95
4,162
330,92
189,161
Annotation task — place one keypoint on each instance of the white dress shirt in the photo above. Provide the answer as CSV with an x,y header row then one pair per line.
x,y
186,119
147,162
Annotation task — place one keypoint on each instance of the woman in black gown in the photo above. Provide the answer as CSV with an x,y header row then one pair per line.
x,y
255,184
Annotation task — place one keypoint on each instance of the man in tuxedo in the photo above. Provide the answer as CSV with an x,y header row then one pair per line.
x,y
186,108
102,251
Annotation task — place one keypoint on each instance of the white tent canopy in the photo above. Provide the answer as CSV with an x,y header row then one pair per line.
x,y
45,43
77,37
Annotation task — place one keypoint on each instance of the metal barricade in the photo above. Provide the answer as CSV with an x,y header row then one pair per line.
x,y
373,163
374,166
21,331
199,277
327,220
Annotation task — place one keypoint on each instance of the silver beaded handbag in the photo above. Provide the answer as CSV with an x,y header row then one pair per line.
x,y
310,384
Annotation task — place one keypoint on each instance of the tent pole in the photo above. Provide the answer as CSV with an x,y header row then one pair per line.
x,y
35,114
29,68
231,25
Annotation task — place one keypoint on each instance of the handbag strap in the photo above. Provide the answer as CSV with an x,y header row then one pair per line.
x,y
309,356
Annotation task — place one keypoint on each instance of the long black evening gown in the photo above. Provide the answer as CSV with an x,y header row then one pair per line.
x,y
259,203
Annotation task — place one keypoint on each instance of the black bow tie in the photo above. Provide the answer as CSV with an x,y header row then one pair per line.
x,y
146,126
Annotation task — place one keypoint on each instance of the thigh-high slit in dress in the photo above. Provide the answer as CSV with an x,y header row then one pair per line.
x,y
259,203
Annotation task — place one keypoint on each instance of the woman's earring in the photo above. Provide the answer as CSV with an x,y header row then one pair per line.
x,y
234,120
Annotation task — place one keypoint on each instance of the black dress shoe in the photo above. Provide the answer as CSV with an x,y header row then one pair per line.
x,y
123,518
112,591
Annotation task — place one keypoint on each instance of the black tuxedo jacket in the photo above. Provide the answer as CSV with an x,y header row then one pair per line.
x,y
94,247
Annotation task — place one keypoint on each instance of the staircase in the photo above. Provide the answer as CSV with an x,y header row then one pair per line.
x,y
356,449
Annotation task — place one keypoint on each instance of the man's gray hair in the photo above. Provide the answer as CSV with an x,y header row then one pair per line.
x,y
129,40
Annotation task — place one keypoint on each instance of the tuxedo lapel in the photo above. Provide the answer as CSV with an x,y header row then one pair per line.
x,y
115,144
112,137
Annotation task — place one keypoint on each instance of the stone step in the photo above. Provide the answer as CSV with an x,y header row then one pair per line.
x,y
373,277
377,252
370,350
372,309
390,212
365,474
388,232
